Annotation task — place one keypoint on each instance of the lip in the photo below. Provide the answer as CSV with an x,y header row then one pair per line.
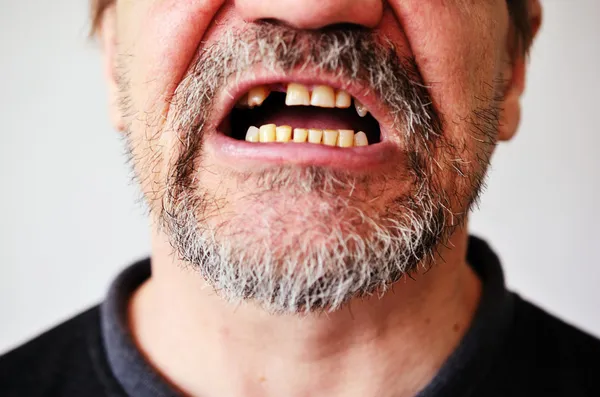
x,y
240,153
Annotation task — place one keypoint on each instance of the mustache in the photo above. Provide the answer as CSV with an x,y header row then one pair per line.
x,y
347,53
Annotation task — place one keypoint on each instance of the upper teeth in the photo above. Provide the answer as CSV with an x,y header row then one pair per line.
x,y
257,95
300,95
360,108
322,96
297,94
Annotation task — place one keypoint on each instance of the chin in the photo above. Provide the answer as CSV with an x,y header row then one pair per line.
x,y
295,209
303,247
285,223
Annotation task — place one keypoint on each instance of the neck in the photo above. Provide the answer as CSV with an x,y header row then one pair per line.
x,y
392,344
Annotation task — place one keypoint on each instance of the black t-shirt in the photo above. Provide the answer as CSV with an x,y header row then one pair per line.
x,y
511,349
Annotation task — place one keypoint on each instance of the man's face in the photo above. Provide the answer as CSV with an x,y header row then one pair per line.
x,y
305,226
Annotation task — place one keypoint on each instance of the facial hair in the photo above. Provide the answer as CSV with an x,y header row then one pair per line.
x,y
298,256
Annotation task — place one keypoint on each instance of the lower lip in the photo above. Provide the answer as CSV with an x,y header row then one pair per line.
x,y
246,154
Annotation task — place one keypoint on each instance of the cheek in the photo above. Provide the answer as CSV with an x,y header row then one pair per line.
x,y
457,45
157,41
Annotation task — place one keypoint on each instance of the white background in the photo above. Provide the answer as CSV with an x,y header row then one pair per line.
x,y
69,220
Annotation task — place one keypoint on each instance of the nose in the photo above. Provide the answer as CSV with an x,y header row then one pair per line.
x,y
313,14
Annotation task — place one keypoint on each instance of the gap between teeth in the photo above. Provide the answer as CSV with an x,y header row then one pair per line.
x,y
283,134
299,95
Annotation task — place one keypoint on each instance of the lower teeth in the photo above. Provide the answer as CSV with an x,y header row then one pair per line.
x,y
283,134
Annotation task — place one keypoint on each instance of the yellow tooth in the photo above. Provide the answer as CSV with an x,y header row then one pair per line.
x,y
243,102
323,96
342,99
300,135
360,108
267,133
257,95
315,135
283,133
253,134
296,95
330,137
346,138
360,139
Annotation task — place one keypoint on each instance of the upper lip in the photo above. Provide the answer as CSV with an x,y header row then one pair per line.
x,y
234,90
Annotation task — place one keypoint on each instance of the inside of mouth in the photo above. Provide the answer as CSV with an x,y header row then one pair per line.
x,y
274,111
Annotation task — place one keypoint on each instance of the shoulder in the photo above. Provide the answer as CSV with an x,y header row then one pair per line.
x,y
66,361
550,356
558,343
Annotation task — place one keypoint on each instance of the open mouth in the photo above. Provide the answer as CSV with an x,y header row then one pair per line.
x,y
293,112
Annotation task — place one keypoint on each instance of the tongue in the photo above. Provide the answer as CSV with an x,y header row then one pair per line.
x,y
312,117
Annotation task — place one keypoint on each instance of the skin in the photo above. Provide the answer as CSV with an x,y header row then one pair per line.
x,y
388,346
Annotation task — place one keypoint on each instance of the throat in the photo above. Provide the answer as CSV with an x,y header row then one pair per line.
x,y
289,355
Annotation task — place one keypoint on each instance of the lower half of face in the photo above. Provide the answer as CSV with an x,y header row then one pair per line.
x,y
302,169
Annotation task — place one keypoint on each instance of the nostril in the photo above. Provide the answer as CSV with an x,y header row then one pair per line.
x,y
345,26
331,28
270,21
312,14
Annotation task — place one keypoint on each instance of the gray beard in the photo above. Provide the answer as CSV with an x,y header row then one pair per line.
x,y
341,248
329,254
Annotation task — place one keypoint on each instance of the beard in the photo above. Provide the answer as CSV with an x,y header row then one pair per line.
x,y
302,239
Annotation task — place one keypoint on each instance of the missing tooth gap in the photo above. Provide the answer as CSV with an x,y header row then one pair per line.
x,y
274,111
